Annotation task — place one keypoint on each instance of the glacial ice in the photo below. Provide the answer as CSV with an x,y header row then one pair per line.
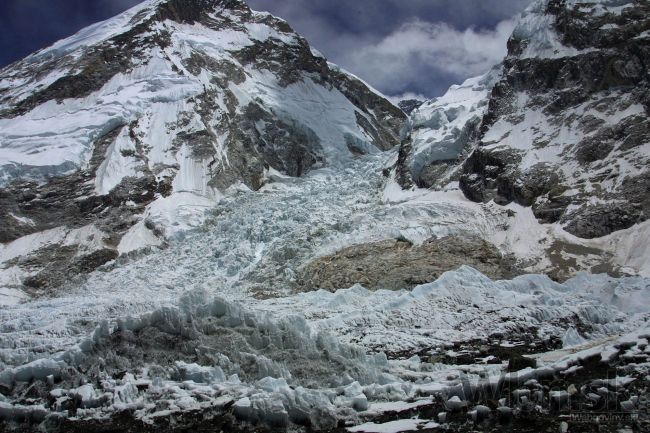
x,y
313,355
439,128
280,369
316,357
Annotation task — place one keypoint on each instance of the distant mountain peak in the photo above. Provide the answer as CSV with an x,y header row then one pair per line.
x,y
191,11
163,109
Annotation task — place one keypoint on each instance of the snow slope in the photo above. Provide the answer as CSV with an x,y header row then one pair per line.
x,y
153,116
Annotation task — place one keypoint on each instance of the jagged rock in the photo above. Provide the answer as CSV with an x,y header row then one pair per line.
x,y
566,86
518,362
594,221
409,105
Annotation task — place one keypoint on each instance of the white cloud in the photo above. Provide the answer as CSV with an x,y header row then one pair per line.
x,y
395,99
419,48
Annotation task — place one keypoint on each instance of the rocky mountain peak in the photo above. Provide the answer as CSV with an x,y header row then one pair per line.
x,y
155,114
192,11
561,126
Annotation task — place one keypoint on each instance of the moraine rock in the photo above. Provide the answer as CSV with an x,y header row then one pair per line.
x,y
398,264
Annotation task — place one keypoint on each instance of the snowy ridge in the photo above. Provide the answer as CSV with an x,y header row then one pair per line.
x,y
99,32
204,99
441,129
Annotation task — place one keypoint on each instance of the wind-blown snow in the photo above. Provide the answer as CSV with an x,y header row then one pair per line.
x,y
101,31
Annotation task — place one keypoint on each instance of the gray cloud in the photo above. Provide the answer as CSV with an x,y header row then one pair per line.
x,y
413,57
398,46
419,47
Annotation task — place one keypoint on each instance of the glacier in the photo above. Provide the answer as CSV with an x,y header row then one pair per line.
x,y
232,156
187,325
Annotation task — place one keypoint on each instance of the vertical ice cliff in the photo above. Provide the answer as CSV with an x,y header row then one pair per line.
x,y
441,133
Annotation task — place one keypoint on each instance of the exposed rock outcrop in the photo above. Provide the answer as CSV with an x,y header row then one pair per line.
x,y
410,105
567,129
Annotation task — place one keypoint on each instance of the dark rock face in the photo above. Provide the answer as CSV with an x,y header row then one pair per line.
x,y
288,147
581,97
56,265
600,220
71,202
379,118
289,63
402,173
28,207
196,10
408,105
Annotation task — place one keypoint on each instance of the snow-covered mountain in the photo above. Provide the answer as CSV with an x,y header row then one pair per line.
x,y
121,135
560,126
302,274
567,130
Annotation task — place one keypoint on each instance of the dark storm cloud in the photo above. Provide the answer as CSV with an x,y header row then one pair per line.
x,y
28,25
399,46
405,46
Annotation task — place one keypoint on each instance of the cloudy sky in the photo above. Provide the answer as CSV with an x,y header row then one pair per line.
x,y
416,47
